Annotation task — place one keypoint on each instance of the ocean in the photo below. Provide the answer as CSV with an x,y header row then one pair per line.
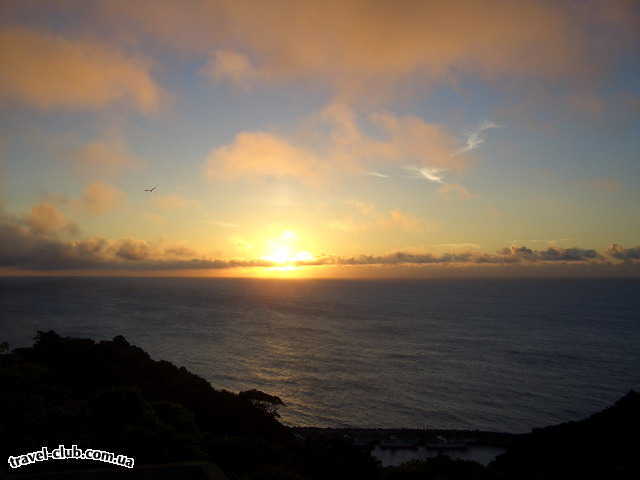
x,y
487,354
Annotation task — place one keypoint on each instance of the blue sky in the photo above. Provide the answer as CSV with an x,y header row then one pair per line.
x,y
318,132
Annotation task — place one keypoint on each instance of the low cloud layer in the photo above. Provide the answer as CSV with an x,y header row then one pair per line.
x,y
509,255
26,244
626,254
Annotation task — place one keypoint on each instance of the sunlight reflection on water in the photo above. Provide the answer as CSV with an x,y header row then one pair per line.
x,y
490,354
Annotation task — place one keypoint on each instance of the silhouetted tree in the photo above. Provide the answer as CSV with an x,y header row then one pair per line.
x,y
265,402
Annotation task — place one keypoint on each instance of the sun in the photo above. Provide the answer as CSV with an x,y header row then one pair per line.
x,y
284,250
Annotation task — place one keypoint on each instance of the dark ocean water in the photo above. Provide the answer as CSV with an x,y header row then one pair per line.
x,y
504,355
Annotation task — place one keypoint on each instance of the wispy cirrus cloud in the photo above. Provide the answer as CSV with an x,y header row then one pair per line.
x,y
376,174
432,174
477,137
437,176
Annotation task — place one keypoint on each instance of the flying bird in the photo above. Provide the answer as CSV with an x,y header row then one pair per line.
x,y
149,189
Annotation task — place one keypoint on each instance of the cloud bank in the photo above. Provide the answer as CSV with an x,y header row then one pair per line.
x,y
35,242
626,254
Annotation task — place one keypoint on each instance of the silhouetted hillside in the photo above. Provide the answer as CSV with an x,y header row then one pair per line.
x,y
604,445
111,395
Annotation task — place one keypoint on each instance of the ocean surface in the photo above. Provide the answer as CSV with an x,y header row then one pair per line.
x,y
501,355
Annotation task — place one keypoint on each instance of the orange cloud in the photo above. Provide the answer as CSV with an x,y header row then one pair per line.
x,y
261,154
412,139
45,218
342,148
357,46
398,140
100,197
49,71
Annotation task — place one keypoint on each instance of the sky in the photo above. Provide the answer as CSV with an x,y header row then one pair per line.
x,y
350,138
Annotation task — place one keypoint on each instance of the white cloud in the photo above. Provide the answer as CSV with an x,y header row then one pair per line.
x,y
377,174
432,174
476,137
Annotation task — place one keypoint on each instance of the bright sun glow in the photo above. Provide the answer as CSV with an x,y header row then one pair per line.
x,y
284,251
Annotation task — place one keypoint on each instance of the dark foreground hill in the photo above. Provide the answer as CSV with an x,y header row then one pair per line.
x,y
112,396
605,446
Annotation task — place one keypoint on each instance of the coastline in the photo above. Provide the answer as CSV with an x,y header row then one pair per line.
x,y
414,436
394,446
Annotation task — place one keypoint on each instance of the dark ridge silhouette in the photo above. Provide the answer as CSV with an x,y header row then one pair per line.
x,y
112,396
604,446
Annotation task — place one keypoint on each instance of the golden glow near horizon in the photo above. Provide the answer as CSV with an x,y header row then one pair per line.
x,y
285,252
